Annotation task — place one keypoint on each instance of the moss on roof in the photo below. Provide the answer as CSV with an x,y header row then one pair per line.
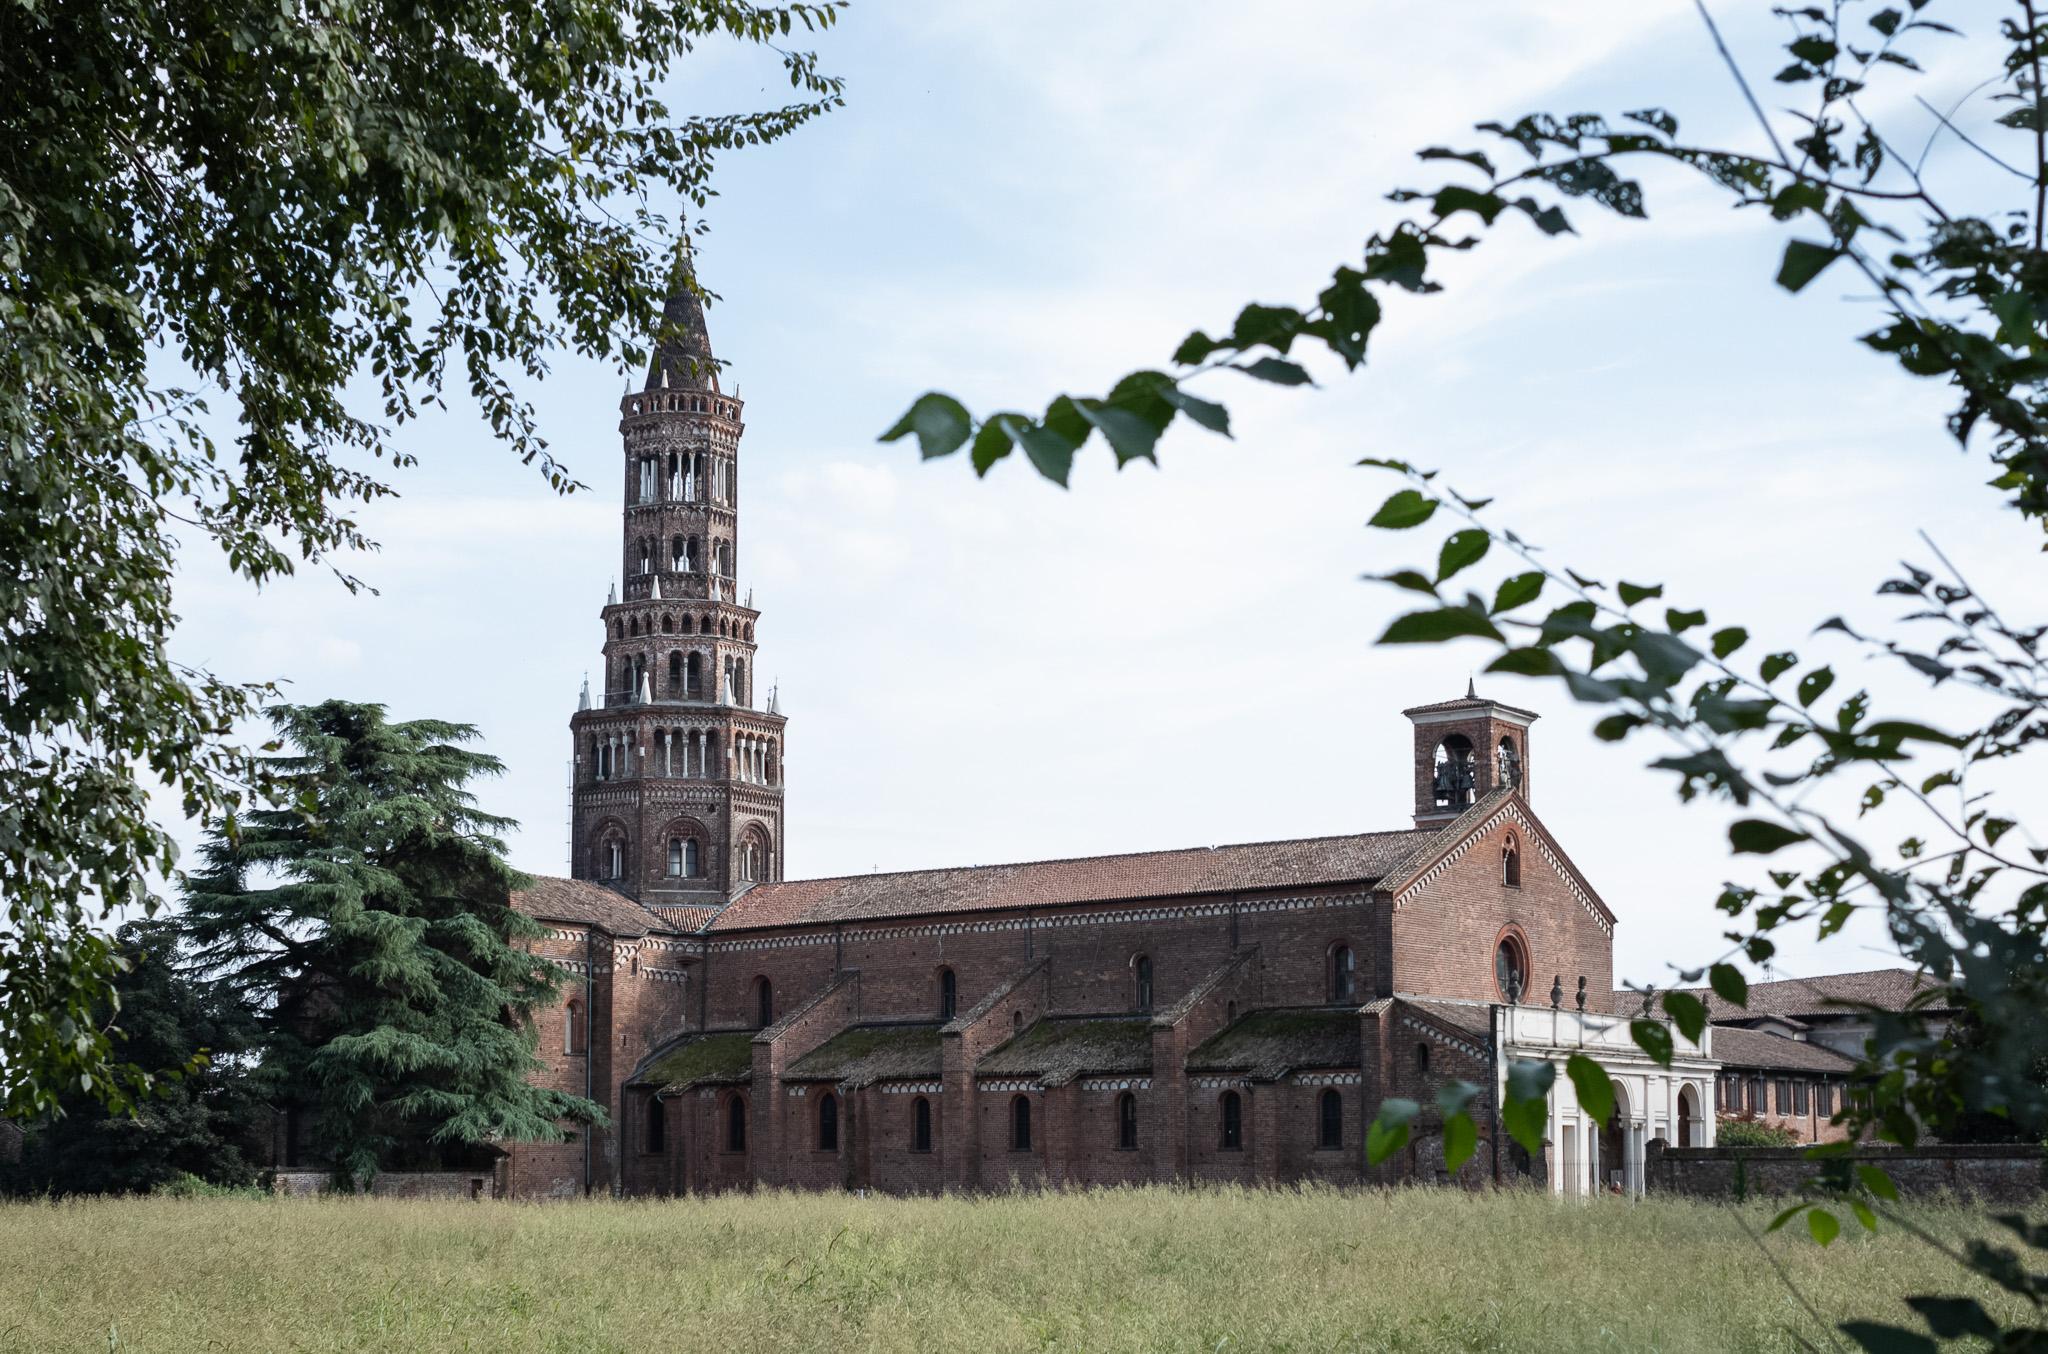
x,y
862,1054
1269,1043
1060,1048
720,1056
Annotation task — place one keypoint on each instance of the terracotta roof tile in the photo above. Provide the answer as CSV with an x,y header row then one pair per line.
x,y
1828,994
1059,1048
1359,859
686,917
1269,1044
1737,1047
586,904
862,1054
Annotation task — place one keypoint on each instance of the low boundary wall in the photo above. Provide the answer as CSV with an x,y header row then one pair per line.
x,y
397,1184
1998,1172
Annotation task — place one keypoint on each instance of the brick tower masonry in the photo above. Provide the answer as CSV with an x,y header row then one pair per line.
x,y
679,761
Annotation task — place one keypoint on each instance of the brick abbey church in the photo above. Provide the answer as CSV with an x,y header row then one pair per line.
x,y
1229,1013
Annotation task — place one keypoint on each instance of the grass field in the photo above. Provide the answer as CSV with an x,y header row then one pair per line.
x,y
1144,1270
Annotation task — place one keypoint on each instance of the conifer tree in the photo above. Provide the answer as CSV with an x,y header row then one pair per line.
x,y
370,923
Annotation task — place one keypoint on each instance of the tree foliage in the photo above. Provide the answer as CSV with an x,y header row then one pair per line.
x,y
206,1119
370,926
1776,734
268,202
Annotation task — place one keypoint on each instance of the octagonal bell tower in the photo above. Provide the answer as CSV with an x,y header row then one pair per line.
x,y
679,755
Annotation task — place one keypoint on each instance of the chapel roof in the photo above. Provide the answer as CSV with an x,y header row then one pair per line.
x,y
1737,1047
1057,1049
863,1054
1360,859
711,1058
584,903
1269,1044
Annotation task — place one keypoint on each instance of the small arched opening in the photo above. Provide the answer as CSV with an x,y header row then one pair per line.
x,y
828,1122
1020,1123
1330,1120
949,994
736,1124
1511,862
1343,975
1455,777
656,1135
764,1003
920,1125
1127,1122
1141,982
1232,1115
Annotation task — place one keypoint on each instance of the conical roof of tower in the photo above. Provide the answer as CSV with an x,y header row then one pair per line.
x,y
683,345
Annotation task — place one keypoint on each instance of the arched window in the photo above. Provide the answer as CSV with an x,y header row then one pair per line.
x,y
764,1003
614,859
949,994
1020,1124
693,675
572,1028
1510,969
657,1126
1016,1021
920,1125
1141,975
693,858
668,625
1127,1122
736,1124
828,1123
1233,1122
1422,1059
1343,974
675,672
1511,862
1330,1128
679,554
1455,778
1510,762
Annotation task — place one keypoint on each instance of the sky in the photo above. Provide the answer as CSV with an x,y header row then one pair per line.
x,y
1026,198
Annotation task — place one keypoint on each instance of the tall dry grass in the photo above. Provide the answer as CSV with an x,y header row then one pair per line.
x,y
1149,1269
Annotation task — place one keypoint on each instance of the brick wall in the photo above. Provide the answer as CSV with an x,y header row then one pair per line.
x,y
2003,1174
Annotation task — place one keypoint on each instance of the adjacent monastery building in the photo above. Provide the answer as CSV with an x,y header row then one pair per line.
x,y
1228,1013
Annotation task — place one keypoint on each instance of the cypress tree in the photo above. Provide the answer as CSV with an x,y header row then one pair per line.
x,y
369,921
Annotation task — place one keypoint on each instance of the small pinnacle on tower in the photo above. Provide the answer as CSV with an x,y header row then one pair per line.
x,y
583,701
1471,691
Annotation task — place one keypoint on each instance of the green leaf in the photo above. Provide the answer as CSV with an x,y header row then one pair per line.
x,y
1534,662
1814,685
1405,508
1687,1012
1208,414
1050,450
1456,1097
1631,593
1194,348
1411,580
1678,622
1277,370
1527,1112
1759,837
1729,984
1461,1139
1777,665
1388,1132
1804,262
1824,1225
941,423
1595,1089
1653,1038
1518,591
993,442
1130,435
1460,551
1879,1182
1434,627
1729,640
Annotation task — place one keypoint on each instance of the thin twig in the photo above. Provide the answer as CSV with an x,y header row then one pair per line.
x,y
1741,83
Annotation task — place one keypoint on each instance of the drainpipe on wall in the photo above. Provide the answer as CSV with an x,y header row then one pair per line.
x,y
589,1053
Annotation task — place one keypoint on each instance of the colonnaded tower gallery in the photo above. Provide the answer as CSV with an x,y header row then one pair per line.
x,y
1229,1013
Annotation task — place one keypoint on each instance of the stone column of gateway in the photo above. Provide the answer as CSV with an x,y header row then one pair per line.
x,y
1650,1101
682,419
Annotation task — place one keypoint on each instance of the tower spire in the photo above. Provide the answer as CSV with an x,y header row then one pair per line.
x,y
682,344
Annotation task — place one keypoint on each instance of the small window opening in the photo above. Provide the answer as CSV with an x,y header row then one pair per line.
x,y
1233,1122
1127,1122
828,1123
920,1125
1020,1124
1330,1135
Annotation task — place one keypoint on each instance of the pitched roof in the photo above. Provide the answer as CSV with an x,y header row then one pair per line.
x,y
686,917
1470,1016
1059,1048
1360,859
714,1058
1827,994
1469,701
1268,1044
861,1054
586,904
1737,1047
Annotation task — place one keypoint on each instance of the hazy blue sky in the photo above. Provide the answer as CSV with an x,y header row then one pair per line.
x,y
1021,198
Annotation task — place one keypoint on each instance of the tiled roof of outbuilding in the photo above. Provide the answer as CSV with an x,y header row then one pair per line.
x,y
1471,1017
1737,1047
715,1058
584,903
1361,859
1059,1048
1829,994
863,1054
686,917
1268,1044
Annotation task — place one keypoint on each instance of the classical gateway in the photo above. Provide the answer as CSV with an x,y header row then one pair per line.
x,y
1222,1013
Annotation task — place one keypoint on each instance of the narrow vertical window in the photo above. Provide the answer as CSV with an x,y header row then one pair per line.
x,y
736,1125
1343,974
949,994
764,1003
1233,1122
1331,1128
675,856
1510,863
572,1020
657,1126
828,1123
1141,969
920,1125
1127,1122
1020,1124
693,858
